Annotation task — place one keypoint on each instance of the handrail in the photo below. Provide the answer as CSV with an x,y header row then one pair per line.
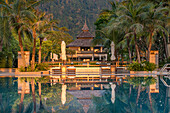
x,y
161,77
163,68
163,81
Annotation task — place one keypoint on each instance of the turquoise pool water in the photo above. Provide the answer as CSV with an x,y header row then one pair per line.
x,y
69,98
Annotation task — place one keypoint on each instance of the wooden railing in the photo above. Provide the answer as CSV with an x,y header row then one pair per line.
x,y
90,63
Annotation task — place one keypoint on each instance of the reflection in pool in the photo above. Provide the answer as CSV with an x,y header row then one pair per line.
x,y
82,97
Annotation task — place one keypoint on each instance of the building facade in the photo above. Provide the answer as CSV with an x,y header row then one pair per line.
x,y
84,50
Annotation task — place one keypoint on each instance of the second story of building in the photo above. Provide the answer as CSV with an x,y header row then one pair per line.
x,y
83,42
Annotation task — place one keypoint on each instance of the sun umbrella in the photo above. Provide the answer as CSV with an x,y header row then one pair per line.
x,y
63,94
113,86
112,51
63,50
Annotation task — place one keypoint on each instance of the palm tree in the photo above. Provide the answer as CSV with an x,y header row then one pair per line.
x,y
132,14
107,35
17,12
22,94
142,82
40,81
33,24
33,93
155,20
4,29
124,26
45,30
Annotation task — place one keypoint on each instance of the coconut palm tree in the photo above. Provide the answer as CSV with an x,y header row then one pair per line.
x,y
45,30
18,11
155,20
40,81
142,82
132,12
33,93
22,94
4,29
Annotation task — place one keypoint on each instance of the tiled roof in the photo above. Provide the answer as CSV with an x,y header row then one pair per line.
x,y
82,43
85,34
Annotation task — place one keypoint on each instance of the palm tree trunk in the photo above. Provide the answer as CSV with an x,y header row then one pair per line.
x,y
41,105
33,52
139,90
150,45
137,49
1,45
22,49
166,50
33,94
44,59
39,58
130,91
22,97
137,99
150,99
130,56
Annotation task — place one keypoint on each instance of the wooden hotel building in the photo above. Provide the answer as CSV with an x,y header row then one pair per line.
x,y
84,51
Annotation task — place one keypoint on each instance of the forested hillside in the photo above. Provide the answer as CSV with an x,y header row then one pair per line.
x,y
72,13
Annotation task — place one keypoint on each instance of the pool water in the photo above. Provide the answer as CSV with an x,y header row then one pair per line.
x,y
81,98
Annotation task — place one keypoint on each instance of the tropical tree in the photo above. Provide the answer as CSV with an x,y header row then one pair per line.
x,y
22,94
45,30
40,81
154,20
4,29
142,82
71,52
133,12
17,11
33,93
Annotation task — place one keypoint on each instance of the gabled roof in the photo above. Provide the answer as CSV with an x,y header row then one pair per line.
x,y
85,34
82,43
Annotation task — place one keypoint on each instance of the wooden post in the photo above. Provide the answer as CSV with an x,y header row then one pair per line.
x,y
63,69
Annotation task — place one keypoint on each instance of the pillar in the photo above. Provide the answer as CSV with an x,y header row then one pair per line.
x,y
92,58
63,69
27,57
106,57
101,49
100,57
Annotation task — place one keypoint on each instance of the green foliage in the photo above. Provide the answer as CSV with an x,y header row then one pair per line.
x,y
10,60
3,60
139,22
42,67
72,13
23,69
37,67
143,66
144,81
162,63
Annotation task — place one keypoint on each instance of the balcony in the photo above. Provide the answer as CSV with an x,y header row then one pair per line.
x,y
90,52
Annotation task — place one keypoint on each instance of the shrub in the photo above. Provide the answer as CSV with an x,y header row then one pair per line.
x,y
143,66
135,66
148,66
2,60
22,69
10,60
42,67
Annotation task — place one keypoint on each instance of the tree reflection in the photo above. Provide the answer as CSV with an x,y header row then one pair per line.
x,y
142,82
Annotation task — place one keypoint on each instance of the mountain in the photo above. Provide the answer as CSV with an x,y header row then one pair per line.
x,y
72,13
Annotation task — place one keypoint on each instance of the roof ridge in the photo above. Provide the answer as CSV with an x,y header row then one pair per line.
x,y
85,27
